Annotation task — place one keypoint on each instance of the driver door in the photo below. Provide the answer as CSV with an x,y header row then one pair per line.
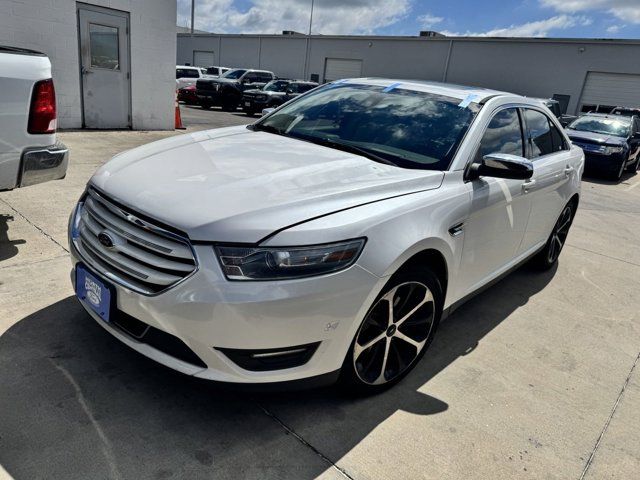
x,y
499,209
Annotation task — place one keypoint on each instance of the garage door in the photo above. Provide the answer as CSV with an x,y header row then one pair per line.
x,y
202,58
337,68
603,91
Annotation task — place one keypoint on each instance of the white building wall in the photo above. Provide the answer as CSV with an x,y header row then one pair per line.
x,y
50,26
538,67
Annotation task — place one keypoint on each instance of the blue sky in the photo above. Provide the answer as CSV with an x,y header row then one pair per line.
x,y
541,18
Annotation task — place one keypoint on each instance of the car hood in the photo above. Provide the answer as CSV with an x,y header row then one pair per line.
x,y
592,137
269,93
237,185
222,80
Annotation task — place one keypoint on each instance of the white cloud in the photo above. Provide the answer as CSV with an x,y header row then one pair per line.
x,y
428,21
628,10
540,28
615,28
273,16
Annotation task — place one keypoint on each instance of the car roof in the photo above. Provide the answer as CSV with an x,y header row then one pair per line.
x,y
479,94
190,67
20,51
605,115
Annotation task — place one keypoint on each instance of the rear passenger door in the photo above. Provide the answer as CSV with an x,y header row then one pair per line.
x,y
548,189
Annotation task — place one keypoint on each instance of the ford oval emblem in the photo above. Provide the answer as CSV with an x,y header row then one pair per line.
x,y
105,239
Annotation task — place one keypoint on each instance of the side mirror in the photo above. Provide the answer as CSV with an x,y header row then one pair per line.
x,y
501,165
267,111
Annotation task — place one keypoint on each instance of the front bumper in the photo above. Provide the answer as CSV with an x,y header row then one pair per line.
x,y
187,97
211,96
603,163
212,315
42,164
253,105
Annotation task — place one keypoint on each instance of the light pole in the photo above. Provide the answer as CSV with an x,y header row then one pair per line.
x,y
306,54
193,9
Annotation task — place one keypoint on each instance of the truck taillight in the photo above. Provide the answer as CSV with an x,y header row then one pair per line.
x,y
42,116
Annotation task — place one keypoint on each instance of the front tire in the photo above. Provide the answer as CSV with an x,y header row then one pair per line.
x,y
395,333
548,256
617,175
633,168
229,105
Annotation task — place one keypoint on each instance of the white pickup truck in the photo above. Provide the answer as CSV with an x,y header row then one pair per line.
x,y
29,152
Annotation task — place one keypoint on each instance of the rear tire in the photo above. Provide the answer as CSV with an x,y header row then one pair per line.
x,y
205,105
395,333
548,256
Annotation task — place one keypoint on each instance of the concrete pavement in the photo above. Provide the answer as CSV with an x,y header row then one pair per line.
x,y
534,378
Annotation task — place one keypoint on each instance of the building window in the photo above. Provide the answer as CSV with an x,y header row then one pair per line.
x,y
103,45
590,108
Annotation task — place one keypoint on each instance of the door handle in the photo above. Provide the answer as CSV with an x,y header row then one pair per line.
x,y
568,170
528,185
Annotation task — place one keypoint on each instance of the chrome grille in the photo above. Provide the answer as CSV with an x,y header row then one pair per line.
x,y
128,250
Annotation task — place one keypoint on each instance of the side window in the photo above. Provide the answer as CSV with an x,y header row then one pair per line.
x,y
539,138
557,139
264,77
187,73
503,135
250,77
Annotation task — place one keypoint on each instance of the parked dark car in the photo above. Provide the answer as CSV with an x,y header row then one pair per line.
x,y
188,95
611,143
554,106
226,91
273,94
216,71
626,111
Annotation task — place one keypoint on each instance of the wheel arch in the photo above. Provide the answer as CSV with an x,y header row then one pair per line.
x,y
575,200
432,258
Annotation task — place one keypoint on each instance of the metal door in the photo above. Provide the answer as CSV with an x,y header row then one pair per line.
x,y
104,67
338,68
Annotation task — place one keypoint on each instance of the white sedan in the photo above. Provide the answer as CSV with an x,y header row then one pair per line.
x,y
325,241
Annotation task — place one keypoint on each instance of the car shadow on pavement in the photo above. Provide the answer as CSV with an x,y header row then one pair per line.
x,y
76,403
599,179
8,247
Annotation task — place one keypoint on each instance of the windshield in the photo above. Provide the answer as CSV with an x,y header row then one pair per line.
x,y
406,128
618,127
276,86
233,74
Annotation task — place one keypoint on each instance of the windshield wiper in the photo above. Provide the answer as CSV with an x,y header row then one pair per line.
x,y
346,147
265,128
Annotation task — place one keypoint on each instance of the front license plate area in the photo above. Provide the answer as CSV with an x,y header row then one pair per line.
x,y
94,293
247,104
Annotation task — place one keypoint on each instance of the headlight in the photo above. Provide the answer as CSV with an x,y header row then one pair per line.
x,y
74,220
612,150
280,263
